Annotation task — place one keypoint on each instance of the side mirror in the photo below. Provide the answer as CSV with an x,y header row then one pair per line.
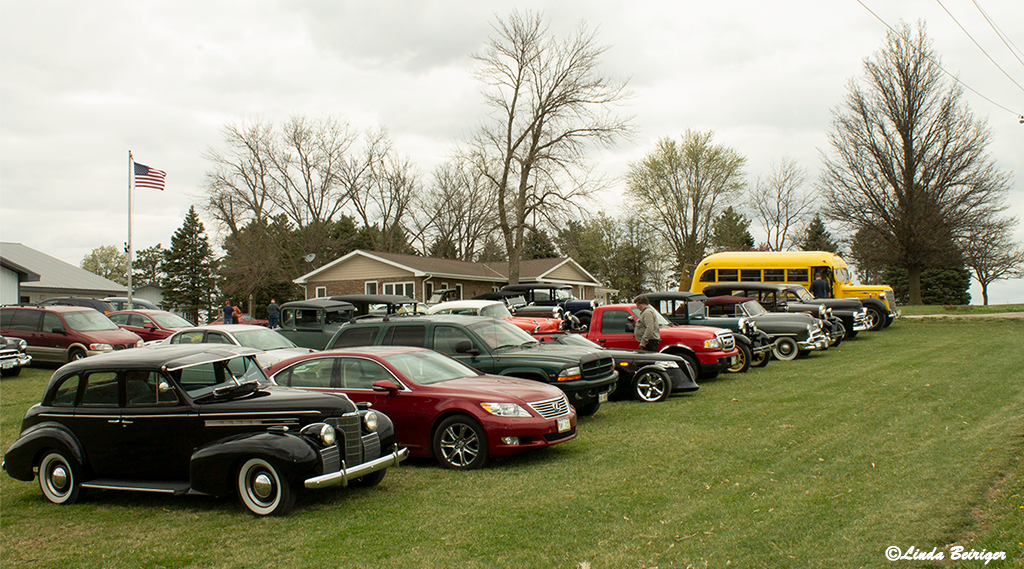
x,y
163,387
58,330
465,347
386,385
630,327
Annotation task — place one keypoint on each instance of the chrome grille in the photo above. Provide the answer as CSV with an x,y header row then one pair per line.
x,y
598,368
727,340
371,446
331,458
348,430
551,408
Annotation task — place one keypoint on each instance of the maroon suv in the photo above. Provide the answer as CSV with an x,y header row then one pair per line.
x,y
62,334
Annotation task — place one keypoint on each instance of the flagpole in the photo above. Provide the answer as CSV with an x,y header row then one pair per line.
x,y
131,173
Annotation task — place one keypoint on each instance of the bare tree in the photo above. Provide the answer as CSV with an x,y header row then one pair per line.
x,y
240,186
380,186
457,213
992,255
909,162
307,169
685,185
549,104
780,202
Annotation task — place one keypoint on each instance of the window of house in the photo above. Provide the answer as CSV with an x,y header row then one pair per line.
x,y
428,290
321,292
370,287
458,291
401,289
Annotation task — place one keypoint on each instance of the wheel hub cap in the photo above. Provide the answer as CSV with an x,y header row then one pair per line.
x,y
59,477
263,486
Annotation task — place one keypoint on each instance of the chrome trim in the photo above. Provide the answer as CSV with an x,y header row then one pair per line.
x,y
344,475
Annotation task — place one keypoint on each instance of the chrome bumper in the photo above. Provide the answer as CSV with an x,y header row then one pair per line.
x,y
344,475
21,360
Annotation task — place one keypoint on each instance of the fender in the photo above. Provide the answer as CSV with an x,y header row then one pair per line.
x,y
675,348
527,373
743,339
21,458
385,430
212,467
877,304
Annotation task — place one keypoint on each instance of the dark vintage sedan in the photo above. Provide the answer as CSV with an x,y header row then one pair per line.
x,y
441,408
645,376
13,356
195,419
792,334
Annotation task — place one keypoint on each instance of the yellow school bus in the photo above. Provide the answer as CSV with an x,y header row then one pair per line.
x,y
793,267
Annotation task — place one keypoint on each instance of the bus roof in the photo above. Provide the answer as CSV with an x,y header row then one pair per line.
x,y
772,259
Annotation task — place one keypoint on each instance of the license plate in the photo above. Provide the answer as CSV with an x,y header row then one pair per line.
x,y
563,425
7,365
602,398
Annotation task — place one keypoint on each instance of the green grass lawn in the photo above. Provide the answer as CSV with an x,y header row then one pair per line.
x,y
913,436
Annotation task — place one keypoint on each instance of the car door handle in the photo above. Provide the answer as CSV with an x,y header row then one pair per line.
x,y
114,420
126,422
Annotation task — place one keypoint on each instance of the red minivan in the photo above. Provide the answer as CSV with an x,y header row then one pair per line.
x,y
62,334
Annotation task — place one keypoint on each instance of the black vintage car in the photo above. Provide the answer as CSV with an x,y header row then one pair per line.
x,y
791,334
793,297
13,356
645,376
196,419
312,323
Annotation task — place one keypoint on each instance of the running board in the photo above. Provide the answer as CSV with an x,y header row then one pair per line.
x,y
140,486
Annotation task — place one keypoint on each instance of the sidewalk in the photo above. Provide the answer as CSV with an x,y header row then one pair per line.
x,y
968,315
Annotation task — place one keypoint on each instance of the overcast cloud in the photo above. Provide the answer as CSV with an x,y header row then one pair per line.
x,y
82,83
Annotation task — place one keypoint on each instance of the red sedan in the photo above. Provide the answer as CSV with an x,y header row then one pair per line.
x,y
149,324
440,407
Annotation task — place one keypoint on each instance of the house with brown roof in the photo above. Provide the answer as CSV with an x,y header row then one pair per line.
x,y
374,272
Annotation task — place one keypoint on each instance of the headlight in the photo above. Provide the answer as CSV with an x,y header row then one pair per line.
x,y
101,347
505,409
322,431
22,344
570,373
140,343
370,421
744,325
667,365
712,344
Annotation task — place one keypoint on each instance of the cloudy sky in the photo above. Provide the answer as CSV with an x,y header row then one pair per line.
x,y
82,83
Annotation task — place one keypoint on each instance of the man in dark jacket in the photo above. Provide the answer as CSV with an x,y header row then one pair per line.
x,y
819,287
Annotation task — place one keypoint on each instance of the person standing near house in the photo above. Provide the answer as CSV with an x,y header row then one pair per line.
x,y
229,312
819,286
646,329
273,313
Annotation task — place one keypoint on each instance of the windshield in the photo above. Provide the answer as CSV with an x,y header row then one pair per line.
x,y
219,378
695,308
428,367
563,294
803,294
496,310
88,321
753,308
662,321
842,275
262,339
170,320
500,334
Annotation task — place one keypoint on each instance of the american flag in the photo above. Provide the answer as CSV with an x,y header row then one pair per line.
x,y
146,177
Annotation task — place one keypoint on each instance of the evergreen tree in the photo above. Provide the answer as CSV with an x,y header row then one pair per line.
x,y
731,232
147,268
538,245
817,238
190,268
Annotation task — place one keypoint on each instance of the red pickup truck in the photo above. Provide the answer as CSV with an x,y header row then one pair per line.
x,y
709,350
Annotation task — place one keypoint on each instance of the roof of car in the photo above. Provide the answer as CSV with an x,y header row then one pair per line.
x,y
726,299
413,318
226,327
169,356
140,311
56,307
321,303
675,295
463,304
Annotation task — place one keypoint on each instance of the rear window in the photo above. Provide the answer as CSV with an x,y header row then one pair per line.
x,y
26,320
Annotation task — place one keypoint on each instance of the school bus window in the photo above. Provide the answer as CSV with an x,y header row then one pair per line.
x,y
774,275
728,275
707,276
797,275
750,275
